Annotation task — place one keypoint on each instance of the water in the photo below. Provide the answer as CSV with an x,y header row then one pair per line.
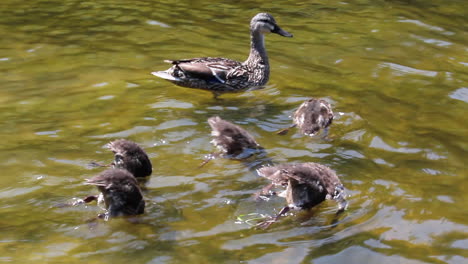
x,y
75,75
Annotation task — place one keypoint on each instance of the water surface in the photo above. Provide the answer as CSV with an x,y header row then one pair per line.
x,y
75,75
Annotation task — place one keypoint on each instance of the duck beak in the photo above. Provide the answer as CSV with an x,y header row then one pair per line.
x,y
281,32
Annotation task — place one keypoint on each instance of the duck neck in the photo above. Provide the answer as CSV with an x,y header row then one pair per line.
x,y
258,55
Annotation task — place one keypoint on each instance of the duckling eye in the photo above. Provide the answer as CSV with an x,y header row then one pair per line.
x,y
118,158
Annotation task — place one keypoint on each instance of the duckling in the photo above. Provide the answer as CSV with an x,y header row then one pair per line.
x,y
307,185
231,140
122,196
311,116
130,156
221,75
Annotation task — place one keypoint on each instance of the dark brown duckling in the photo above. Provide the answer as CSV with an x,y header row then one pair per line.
x,y
307,185
311,116
231,140
122,196
130,156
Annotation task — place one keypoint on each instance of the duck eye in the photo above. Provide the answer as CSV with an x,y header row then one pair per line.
x,y
118,158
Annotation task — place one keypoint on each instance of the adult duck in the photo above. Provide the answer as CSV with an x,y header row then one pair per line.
x,y
221,75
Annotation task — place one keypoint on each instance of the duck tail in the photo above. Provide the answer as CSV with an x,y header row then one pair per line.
x,y
165,75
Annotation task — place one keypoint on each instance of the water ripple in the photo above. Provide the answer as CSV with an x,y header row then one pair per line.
x,y
402,70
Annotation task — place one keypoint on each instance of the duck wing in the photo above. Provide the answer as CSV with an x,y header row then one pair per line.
x,y
208,69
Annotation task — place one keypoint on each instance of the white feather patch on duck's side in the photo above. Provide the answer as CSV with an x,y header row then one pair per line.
x,y
322,105
282,194
100,201
219,146
165,75
215,74
320,119
301,120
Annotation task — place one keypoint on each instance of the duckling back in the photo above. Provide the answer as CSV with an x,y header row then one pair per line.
x,y
313,115
229,138
130,156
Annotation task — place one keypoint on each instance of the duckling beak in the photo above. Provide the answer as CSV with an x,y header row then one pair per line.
x,y
281,32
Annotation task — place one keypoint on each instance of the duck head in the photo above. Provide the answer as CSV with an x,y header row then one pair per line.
x,y
265,23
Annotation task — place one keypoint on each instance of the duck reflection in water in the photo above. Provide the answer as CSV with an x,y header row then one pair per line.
x,y
120,192
307,185
311,116
231,141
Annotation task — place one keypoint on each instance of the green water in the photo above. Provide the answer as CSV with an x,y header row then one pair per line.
x,y
75,75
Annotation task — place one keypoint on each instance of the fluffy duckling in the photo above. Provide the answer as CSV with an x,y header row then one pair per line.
x,y
122,196
131,157
311,116
307,185
231,140
127,156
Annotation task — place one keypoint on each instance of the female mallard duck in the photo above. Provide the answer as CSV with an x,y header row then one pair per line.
x,y
121,193
311,116
307,185
231,140
220,75
131,157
